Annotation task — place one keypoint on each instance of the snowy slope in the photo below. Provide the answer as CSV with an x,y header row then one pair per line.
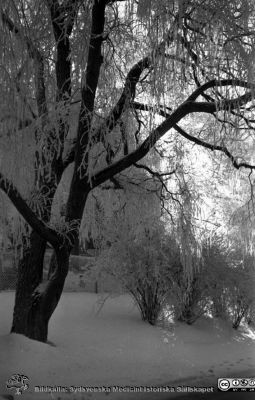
x,y
112,346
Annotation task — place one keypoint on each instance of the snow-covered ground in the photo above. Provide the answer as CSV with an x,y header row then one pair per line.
x,y
111,346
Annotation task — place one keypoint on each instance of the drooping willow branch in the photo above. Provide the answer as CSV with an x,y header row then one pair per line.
x,y
35,54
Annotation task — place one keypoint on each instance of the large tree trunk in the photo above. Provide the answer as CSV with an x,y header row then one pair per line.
x,y
36,300
30,274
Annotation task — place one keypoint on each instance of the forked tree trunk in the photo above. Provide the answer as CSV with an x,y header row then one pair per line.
x,y
36,301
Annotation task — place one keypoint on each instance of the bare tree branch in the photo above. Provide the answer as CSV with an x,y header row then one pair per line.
x,y
220,83
129,89
154,173
45,232
62,18
128,94
184,109
77,199
191,138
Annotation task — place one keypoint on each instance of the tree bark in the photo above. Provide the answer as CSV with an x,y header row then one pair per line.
x,y
30,274
36,300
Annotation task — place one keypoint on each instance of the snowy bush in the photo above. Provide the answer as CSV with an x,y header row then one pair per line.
x,y
147,263
188,296
142,261
189,302
215,255
250,316
230,279
222,284
241,287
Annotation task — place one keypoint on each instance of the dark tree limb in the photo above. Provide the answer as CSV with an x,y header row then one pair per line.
x,y
69,159
27,213
77,196
94,63
128,94
62,18
154,173
129,89
196,66
191,138
183,110
164,189
220,83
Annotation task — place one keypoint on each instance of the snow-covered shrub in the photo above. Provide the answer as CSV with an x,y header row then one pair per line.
x,y
250,316
189,297
241,287
190,305
142,261
215,255
230,279
216,286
